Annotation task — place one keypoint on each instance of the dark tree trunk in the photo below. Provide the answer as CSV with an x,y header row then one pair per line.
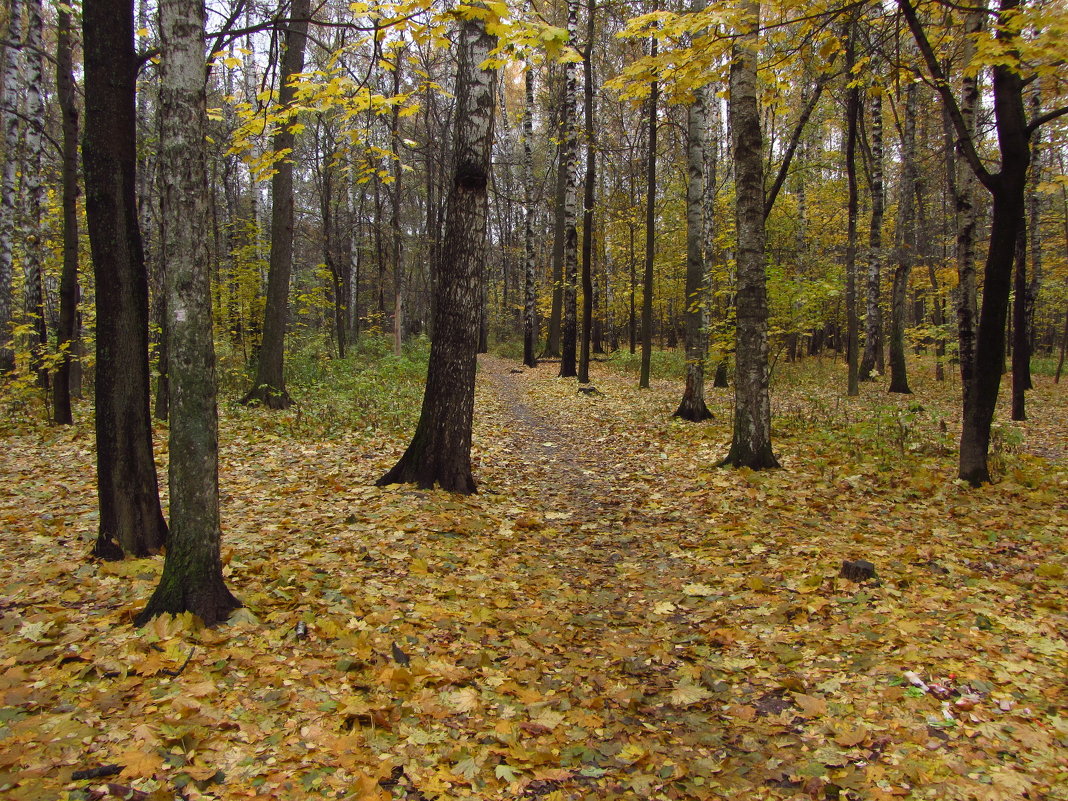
x,y
131,521
1021,339
269,387
906,242
1007,188
650,234
192,579
440,450
68,282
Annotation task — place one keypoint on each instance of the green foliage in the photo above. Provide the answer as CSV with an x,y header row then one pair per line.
x,y
370,392
665,364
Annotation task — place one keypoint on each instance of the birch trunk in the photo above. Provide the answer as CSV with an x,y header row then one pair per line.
x,y
872,359
9,120
440,450
751,439
530,328
852,327
587,204
650,233
693,407
34,187
569,163
192,579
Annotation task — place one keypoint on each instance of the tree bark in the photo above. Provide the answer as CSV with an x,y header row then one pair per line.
x,y
693,407
751,438
192,579
530,297
650,233
440,450
131,520
587,205
269,387
9,120
852,323
35,190
872,359
67,335
1021,340
906,241
569,158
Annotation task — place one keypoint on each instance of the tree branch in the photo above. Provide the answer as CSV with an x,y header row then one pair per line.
x,y
965,142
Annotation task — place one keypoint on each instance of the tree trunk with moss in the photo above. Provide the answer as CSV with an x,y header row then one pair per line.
x,y
751,439
192,579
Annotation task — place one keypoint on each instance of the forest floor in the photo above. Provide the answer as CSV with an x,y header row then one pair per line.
x,y
611,616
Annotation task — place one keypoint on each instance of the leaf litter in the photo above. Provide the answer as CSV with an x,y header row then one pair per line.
x,y
609,617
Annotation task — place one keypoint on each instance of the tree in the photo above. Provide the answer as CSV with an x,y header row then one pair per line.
x,y
587,203
67,334
650,231
35,189
268,387
1007,189
440,450
751,439
9,120
872,357
131,520
852,113
192,579
569,163
530,330
906,244
692,407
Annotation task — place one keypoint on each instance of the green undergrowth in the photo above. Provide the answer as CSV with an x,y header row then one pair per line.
x,y
370,391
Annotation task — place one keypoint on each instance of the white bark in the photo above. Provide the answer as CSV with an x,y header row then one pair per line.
x,y
33,181
9,121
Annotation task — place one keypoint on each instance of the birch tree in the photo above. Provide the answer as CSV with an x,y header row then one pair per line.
x,y
192,579
530,294
35,189
569,163
751,439
440,450
9,120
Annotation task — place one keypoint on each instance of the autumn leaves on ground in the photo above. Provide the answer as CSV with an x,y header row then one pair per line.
x,y
611,616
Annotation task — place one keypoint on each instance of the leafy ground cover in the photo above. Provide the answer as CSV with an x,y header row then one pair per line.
x,y
611,616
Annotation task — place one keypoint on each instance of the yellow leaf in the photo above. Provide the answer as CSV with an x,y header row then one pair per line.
x,y
140,764
849,737
812,705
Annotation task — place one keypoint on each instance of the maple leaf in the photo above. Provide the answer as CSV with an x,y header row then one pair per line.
x,y
686,694
140,764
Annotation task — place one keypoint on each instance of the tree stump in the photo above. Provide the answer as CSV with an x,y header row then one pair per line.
x,y
857,570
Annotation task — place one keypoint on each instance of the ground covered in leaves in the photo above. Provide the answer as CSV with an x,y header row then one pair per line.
x,y
611,616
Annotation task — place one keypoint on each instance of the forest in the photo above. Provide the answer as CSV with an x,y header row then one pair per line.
x,y
561,399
